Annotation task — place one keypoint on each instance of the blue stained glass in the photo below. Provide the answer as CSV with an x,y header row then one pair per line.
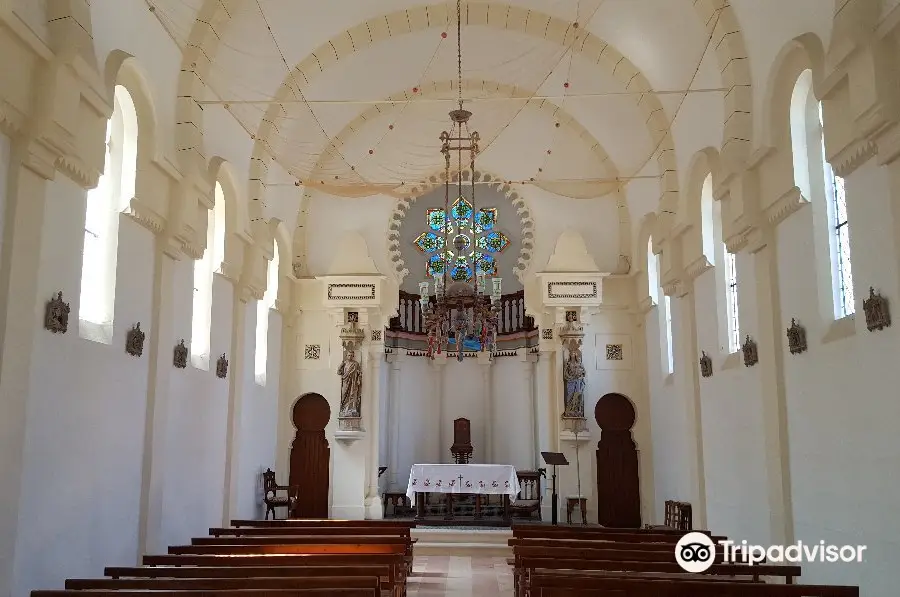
x,y
461,210
485,219
436,218
429,242
493,242
487,264
434,266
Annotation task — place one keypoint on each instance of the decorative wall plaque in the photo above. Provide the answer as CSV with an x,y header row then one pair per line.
x,y
572,316
180,354
352,316
222,367
376,335
134,341
546,333
312,352
614,352
706,365
56,315
878,314
751,352
796,335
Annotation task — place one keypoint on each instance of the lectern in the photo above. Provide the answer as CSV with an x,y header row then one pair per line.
x,y
555,459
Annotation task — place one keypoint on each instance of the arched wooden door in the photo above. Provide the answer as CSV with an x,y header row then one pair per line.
x,y
310,456
618,480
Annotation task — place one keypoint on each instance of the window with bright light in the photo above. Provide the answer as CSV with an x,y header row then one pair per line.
x,y
652,272
262,318
201,316
113,193
841,268
731,301
670,360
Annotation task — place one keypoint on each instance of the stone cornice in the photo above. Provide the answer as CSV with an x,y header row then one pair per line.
x,y
141,213
73,167
736,242
785,205
853,156
697,267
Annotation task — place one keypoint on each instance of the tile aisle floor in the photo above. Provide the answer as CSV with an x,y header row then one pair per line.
x,y
452,576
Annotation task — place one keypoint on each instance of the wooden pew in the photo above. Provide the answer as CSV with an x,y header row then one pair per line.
x,y
554,544
302,522
604,535
315,530
561,528
326,592
301,545
554,585
325,581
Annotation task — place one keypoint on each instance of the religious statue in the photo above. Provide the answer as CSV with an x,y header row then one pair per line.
x,y
573,376
351,385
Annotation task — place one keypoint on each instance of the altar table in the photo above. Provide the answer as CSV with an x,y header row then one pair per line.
x,y
478,479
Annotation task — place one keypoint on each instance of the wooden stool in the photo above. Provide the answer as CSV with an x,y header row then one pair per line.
x,y
571,502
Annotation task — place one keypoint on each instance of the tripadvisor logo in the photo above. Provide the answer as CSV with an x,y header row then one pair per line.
x,y
695,552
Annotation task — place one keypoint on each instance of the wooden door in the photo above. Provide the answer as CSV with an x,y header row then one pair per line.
x,y
618,479
310,456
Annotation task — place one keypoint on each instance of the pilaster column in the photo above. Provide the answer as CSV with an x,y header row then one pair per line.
x,y
236,372
372,416
530,360
394,474
22,238
484,363
158,386
772,388
690,388
443,442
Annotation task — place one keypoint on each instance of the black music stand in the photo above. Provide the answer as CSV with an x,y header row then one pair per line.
x,y
555,459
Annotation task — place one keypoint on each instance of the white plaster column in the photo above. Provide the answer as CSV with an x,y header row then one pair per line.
x,y
291,351
547,416
237,364
772,386
484,363
690,389
394,474
530,360
158,385
441,437
371,416
23,222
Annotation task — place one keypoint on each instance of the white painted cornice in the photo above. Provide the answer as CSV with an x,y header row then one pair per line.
x,y
785,205
853,156
141,213
696,267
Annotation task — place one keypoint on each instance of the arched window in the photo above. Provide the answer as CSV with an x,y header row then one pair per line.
x,y
670,352
731,303
652,272
841,267
262,318
101,223
817,182
707,215
201,316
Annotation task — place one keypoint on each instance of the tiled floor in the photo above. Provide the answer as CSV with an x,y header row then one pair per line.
x,y
450,576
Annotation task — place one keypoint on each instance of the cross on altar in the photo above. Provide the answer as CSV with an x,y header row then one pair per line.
x,y
460,480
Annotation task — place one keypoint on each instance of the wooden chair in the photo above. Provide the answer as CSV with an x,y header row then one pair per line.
x,y
271,497
528,502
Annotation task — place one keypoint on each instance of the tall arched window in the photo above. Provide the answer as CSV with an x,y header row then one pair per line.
x,y
201,316
262,318
652,272
731,303
708,220
817,182
841,267
670,351
101,223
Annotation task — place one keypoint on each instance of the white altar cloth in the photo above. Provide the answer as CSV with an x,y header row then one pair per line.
x,y
463,478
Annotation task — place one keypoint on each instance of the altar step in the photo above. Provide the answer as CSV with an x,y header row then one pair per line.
x,y
462,541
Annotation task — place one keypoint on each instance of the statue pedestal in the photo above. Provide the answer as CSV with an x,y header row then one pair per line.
x,y
350,424
573,425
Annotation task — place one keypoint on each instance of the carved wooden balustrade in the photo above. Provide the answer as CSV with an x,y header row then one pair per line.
x,y
512,315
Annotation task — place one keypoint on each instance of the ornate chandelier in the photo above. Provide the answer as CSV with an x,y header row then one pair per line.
x,y
460,305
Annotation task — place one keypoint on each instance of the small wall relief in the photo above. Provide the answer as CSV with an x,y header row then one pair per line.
x,y
706,365
376,335
751,352
878,314
614,352
796,335
56,315
546,333
134,341
352,316
222,367
180,354
312,352
572,316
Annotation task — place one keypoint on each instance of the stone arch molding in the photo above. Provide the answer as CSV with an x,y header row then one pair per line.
x,y
398,215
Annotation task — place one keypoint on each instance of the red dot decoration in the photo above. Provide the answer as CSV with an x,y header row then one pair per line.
x,y
391,127
371,151
444,35
557,125
415,90
549,152
540,169
566,84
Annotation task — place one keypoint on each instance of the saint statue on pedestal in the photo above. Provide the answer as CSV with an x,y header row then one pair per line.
x,y
351,385
573,376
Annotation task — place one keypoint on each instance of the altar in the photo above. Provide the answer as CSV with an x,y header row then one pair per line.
x,y
462,482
